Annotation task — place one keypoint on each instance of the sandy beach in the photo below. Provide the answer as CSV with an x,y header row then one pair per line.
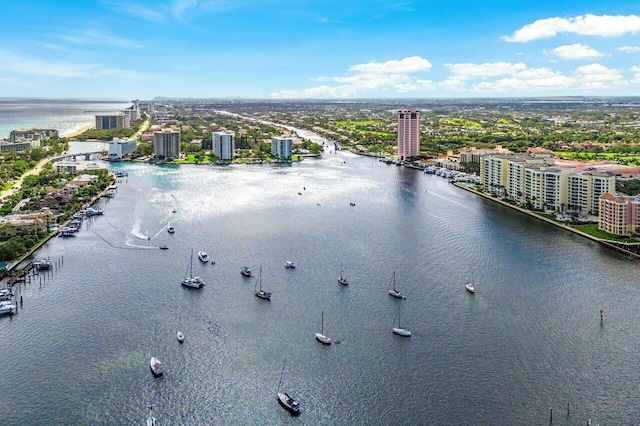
x,y
78,131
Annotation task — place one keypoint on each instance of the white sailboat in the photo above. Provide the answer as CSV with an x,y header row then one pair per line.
x,y
393,291
151,421
266,295
341,279
320,336
400,330
191,281
287,402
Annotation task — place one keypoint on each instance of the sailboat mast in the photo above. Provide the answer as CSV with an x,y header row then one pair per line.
x,y
281,373
322,324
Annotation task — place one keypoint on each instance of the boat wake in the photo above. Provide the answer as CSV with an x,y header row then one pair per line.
x,y
125,247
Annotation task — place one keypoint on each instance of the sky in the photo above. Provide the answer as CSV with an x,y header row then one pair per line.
x,y
277,49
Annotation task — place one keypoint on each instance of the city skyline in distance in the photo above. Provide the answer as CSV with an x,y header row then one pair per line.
x,y
274,49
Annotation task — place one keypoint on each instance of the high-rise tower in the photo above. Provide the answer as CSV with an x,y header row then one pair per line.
x,y
408,133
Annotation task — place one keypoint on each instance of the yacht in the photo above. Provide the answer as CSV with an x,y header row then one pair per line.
x,y
245,271
400,330
90,211
342,279
191,281
289,265
287,402
42,264
156,366
6,294
394,291
203,256
8,308
257,289
320,337
151,421
171,229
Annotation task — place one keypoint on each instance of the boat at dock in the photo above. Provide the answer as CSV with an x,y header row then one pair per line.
x,y
42,264
8,308
121,174
90,211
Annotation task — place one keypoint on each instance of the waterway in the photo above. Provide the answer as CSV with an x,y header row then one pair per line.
x,y
530,339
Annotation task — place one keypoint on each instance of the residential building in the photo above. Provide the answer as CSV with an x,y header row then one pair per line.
x,y
83,180
19,146
472,155
73,167
619,215
504,174
117,120
166,144
33,135
16,224
585,188
119,148
281,147
408,133
223,145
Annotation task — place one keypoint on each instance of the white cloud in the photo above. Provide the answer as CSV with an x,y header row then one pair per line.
x,y
373,77
466,71
407,65
530,80
596,76
594,25
129,7
629,49
99,38
636,76
576,52
180,6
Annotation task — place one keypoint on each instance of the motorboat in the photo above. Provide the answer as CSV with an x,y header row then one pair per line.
x,y
174,210
7,308
163,247
320,337
121,174
352,204
191,281
6,294
470,288
393,291
156,366
171,229
90,211
341,279
203,256
257,289
180,336
42,264
245,271
289,265
287,402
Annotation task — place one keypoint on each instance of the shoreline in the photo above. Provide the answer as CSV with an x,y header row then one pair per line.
x,y
80,131
550,221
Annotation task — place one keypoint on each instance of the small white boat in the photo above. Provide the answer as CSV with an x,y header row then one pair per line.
x,y
203,256
151,421
156,366
259,292
245,271
400,330
171,229
42,264
394,291
470,288
174,210
320,337
180,336
341,279
7,308
287,402
289,264
163,247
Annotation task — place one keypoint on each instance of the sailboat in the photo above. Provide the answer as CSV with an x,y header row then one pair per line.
x,y
191,281
399,330
320,336
287,402
266,295
151,421
341,279
393,291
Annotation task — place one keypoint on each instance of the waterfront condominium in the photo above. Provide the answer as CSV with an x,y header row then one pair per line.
x,y
223,145
618,215
166,143
281,147
116,120
408,133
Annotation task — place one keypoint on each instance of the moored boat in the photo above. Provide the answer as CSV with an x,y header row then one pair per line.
x,y
171,229
400,330
156,366
342,279
180,336
191,281
245,271
394,291
320,337
285,400
259,292
289,264
203,256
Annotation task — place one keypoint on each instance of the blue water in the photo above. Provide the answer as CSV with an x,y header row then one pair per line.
x,y
65,115
529,340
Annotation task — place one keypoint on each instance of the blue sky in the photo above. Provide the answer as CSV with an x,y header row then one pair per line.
x,y
318,49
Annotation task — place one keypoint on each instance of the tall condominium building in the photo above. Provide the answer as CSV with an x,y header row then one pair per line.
x,y
166,144
119,148
281,147
223,145
33,134
586,187
118,120
408,133
619,215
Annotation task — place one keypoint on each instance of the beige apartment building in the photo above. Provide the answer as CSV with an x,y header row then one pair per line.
x,y
618,215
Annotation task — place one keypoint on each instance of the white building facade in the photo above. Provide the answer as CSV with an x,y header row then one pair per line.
x,y
119,148
281,147
223,145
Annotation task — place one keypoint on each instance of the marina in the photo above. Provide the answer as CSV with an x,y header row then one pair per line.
x,y
536,316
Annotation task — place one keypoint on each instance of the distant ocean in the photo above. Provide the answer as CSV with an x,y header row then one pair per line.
x,y
65,115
